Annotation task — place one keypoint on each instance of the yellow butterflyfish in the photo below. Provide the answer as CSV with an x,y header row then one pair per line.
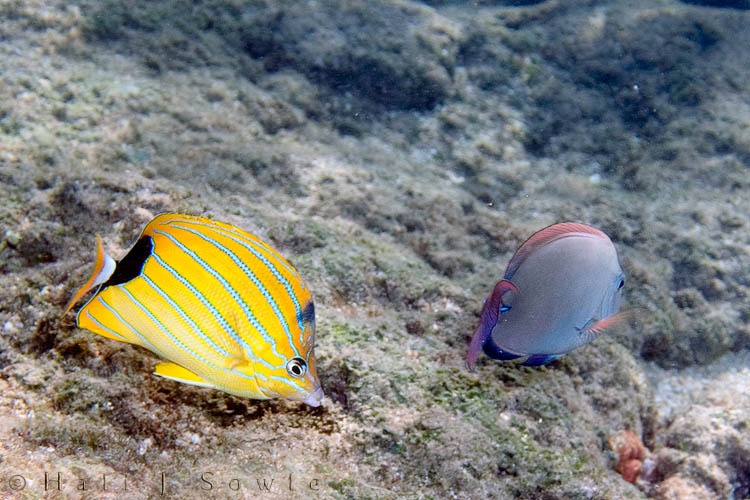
x,y
220,305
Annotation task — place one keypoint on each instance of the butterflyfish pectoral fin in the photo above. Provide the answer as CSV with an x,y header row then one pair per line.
x,y
175,372
240,363
103,269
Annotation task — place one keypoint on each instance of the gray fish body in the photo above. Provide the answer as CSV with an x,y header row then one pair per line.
x,y
564,287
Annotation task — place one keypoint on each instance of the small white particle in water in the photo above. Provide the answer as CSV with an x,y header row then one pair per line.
x,y
595,178
455,179
195,438
145,445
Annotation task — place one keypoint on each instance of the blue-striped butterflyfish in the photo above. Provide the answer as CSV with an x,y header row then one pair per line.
x,y
220,305
561,289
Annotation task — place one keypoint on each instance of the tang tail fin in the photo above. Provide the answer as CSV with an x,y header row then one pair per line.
x,y
490,313
103,269
477,341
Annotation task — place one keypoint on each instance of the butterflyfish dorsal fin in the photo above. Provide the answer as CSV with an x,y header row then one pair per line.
x,y
103,269
545,236
173,371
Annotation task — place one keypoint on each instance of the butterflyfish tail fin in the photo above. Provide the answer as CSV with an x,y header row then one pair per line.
x,y
103,269
490,312
175,372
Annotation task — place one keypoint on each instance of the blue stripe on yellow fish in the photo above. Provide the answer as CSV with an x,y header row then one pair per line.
x,y
223,307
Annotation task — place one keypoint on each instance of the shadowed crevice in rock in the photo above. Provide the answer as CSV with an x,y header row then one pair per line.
x,y
395,54
405,63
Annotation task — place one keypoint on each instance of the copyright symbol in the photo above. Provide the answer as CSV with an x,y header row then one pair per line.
x,y
17,483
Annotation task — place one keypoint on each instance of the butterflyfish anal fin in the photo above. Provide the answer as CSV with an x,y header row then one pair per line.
x,y
103,269
177,373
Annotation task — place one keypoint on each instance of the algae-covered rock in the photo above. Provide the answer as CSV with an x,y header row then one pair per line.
x,y
702,421
395,53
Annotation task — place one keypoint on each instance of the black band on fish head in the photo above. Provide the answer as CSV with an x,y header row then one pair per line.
x,y
130,266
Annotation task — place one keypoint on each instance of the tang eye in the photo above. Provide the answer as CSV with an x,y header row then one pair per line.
x,y
296,367
621,283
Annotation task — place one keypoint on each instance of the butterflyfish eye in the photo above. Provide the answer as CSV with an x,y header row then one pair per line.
x,y
621,284
296,367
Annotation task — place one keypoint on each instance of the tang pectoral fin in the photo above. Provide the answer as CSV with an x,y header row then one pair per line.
x,y
175,372
595,328
490,311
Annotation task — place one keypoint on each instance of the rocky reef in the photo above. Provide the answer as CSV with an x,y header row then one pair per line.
x,y
397,152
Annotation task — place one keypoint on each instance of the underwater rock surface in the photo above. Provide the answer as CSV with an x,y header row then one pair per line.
x,y
704,447
397,152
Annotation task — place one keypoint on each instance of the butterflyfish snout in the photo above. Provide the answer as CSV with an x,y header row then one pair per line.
x,y
561,289
221,306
